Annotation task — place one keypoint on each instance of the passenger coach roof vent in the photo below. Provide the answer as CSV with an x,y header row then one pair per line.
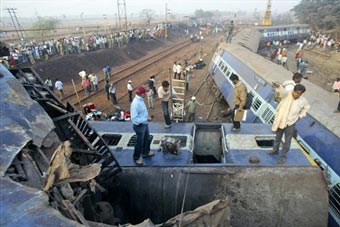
x,y
334,199
133,140
264,141
112,139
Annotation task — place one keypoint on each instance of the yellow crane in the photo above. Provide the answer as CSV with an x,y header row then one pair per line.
x,y
266,20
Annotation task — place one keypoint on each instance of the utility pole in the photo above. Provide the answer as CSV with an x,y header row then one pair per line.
x,y
119,18
167,11
116,18
83,24
126,25
18,28
122,11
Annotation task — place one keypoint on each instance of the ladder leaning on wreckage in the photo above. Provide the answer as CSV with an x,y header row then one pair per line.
x,y
70,124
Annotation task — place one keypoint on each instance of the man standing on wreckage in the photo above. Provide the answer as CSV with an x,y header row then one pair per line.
x,y
139,118
292,108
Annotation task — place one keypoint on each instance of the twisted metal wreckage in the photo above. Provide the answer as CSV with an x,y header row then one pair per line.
x,y
52,158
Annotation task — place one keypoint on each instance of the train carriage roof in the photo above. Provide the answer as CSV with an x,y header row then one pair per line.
x,y
322,102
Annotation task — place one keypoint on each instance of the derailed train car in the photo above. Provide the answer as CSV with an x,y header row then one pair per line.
x,y
292,33
213,164
318,133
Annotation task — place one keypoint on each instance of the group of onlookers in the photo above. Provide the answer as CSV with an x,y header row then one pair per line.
x,y
32,51
320,40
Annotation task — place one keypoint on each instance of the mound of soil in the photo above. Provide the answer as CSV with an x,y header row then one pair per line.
x,y
68,67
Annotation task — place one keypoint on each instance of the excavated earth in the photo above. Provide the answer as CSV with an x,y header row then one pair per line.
x,y
67,68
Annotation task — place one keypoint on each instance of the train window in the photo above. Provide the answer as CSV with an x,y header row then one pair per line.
x,y
285,29
229,73
219,65
277,30
222,67
225,69
256,104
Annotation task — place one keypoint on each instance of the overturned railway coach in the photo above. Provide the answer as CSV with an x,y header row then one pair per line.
x,y
213,163
292,33
318,133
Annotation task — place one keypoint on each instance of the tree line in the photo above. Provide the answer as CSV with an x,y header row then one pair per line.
x,y
322,15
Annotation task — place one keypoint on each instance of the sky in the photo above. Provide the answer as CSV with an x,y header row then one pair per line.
x,y
57,8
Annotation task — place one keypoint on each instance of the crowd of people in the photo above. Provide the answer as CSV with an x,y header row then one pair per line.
x,y
32,51
321,40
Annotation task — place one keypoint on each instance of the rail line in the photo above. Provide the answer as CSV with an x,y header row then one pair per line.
x,y
125,74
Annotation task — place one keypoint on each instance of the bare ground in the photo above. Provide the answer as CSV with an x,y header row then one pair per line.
x,y
325,68
67,67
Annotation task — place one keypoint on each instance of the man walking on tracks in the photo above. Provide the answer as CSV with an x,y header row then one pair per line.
x,y
130,89
240,98
107,89
150,95
112,91
179,69
174,69
107,73
59,86
139,118
191,109
86,84
152,84
292,108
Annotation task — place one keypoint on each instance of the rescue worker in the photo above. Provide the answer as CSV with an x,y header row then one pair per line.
x,y
191,109
240,98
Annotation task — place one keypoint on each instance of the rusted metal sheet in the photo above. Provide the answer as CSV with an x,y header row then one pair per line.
x,y
22,120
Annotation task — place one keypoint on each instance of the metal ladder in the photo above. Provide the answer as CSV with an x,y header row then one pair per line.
x,y
178,99
71,125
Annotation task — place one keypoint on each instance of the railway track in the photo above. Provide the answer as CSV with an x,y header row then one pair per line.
x,y
121,77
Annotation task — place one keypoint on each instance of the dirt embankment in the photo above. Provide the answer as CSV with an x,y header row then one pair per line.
x,y
325,67
68,67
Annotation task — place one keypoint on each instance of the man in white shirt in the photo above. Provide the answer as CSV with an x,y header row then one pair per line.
x,y
174,71
164,94
288,85
94,82
336,85
130,89
292,108
82,75
59,86
179,69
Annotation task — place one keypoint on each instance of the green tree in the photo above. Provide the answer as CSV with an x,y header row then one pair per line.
x,y
320,14
44,25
